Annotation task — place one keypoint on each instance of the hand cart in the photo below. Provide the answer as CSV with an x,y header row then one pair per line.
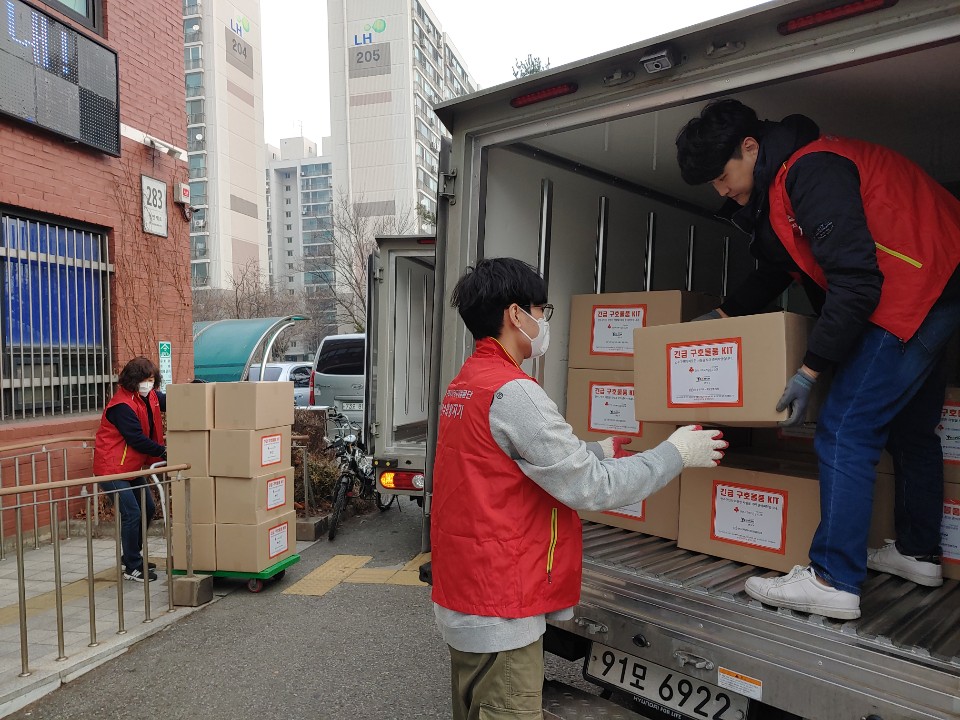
x,y
255,580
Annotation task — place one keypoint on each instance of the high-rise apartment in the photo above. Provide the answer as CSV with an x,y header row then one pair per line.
x,y
299,188
390,62
225,139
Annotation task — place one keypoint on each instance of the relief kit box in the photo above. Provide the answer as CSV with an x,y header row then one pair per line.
x,y
204,541
249,453
730,371
253,405
949,432
251,501
254,548
657,515
601,326
950,531
202,501
191,447
600,403
190,406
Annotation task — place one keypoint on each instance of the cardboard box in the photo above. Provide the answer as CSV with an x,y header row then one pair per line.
x,y
204,546
249,453
724,514
949,431
601,326
192,447
950,531
190,406
730,371
202,501
657,515
253,405
254,548
600,404
251,501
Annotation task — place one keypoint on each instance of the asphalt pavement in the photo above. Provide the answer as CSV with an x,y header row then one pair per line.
x,y
360,650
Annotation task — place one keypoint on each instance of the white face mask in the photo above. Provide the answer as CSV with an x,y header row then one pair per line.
x,y
540,343
145,387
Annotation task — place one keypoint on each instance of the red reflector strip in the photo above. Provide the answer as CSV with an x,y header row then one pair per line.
x,y
825,17
427,241
541,95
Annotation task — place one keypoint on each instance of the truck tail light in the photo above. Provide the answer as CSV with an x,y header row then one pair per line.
x,y
313,400
825,17
402,480
545,94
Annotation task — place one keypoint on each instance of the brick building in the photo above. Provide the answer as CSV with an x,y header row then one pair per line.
x,y
91,99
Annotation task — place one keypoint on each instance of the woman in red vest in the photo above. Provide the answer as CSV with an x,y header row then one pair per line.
x,y
875,241
509,477
130,438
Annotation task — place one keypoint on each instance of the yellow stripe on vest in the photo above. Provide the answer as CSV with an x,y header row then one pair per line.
x,y
909,260
124,456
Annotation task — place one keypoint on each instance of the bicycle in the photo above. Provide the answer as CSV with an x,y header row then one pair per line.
x,y
356,477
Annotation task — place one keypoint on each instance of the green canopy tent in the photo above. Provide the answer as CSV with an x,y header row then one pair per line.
x,y
223,350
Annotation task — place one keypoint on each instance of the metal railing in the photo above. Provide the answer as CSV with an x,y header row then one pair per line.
x,y
30,497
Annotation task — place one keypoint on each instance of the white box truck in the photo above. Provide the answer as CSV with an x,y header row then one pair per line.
x,y
574,171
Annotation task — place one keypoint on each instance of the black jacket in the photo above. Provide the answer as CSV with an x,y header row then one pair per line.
x,y
824,190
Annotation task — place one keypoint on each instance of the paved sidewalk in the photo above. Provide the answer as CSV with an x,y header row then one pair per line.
x,y
47,673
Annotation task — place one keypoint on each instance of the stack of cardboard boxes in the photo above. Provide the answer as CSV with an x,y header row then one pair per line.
x,y
762,505
601,387
236,437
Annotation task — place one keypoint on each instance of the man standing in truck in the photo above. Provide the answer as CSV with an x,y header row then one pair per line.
x,y
509,476
875,242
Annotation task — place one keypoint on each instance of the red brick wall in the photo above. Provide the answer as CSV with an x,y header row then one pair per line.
x,y
42,172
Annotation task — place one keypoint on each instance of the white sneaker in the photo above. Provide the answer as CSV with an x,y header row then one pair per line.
x,y
800,590
890,560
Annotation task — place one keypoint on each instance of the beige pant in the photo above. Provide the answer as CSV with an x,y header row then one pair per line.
x,y
498,686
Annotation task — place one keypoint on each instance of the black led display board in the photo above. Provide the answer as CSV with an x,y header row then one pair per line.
x,y
56,78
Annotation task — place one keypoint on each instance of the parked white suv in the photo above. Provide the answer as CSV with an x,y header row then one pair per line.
x,y
337,377
296,372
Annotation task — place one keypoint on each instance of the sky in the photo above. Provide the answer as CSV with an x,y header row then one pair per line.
x,y
490,35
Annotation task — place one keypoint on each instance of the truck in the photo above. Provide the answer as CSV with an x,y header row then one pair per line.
x,y
573,170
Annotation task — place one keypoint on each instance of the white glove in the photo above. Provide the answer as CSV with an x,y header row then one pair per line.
x,y
607,446
699,447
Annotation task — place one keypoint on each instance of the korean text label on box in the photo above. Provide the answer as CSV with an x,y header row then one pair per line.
x,y
750,516
612,409
611,332
705,374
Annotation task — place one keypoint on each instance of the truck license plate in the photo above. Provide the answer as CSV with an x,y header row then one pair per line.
x,y
353,406
658,688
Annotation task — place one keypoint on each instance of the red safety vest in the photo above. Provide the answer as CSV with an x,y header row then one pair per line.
x,y
502,546
914,222
111,454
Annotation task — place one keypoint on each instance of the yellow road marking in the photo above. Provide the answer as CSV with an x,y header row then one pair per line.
x,y
351,569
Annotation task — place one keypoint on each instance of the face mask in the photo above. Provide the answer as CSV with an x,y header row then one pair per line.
x,y
540,343
145,388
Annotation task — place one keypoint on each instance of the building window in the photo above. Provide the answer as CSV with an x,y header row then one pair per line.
x,y
192,30
287,188
289,240
289,214
54,320
191,57
289,253
289,266
290,227
88,13
287,201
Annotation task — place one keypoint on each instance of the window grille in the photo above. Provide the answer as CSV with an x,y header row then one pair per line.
x,y
55,319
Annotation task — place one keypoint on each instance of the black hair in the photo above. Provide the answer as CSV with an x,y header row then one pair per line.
x,y
485,291
707,142
138,370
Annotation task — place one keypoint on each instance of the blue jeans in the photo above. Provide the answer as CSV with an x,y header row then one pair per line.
x,y
127,500
885,394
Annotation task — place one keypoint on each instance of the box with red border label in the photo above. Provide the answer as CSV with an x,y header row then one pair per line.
x,y
601,326
950,531
730,371
250,501
254,548
249,453
949,431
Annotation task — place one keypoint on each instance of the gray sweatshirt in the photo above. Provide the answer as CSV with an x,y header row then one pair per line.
x,y
529,428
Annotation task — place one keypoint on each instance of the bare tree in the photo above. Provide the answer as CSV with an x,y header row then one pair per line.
x,y
354,233
531,66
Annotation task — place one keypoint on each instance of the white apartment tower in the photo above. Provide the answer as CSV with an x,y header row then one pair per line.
x,y
389,64
225,139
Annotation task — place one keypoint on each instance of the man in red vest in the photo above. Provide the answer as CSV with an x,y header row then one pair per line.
x,y
130,438
875,242
509,476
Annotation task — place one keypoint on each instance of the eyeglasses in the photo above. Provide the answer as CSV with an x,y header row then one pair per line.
x,y
547,311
